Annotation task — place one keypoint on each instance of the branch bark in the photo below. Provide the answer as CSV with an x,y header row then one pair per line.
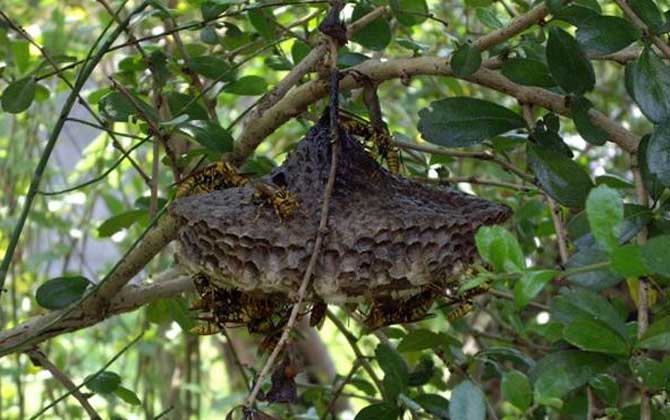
x,y
167,284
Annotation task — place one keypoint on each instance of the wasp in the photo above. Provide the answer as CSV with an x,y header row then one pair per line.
x,y
459,311
400,311
318,313
382,140
285,202
217,176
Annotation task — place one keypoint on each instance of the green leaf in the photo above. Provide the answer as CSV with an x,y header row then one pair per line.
x,y
299,50
627,261
648,12
179,312
418,340
606,388
396,373
118,107
564,371
177,101
158,311
530,285
376,35
499,247
210,135
59,292
528,72
120,221
463,121
657,336
104,382
576,14
467,402
466,60
18,95
658,153
582,304
409,12
655,255
21,54
579,109
568,64
433,404
247,86
264,22
601,35
595,336
604,209
127,395
562,178
596,279
213,68
651,181
378,411
653,374
488,18
210,10
363,385
614,181
516,389
648,83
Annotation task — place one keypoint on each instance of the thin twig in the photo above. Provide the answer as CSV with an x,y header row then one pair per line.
x,y
236,359
340,388
633,17
40,359
561,231
322,230
475,180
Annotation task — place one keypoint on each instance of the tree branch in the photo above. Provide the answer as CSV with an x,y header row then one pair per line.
x,y
166,284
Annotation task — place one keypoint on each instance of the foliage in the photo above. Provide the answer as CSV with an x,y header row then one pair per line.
x,y
566,120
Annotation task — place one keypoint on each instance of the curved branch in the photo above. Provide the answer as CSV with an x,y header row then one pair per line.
x,y
166,284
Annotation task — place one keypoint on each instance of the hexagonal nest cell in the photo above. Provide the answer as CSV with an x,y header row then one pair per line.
x,y
387,236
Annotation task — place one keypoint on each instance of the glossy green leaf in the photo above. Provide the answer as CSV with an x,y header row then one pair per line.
x,y
530,285
594,279
568,64
593,134
582,304
463,122
213,68
247,86
652,373
433,404
264,22
528,72
595,336
395,370
488,18
376,35
603,35
120,221
18,95
417,340
657,336
466,60
651,181
118,107
363,386
562,178
211,136
627,261
655,255
648,83
648,12
500,248
59,292
564,371
575,14
378,411
614,181
104,382
467,402
604,209
127,395
409,12
606,388
516,389
177,103
658,154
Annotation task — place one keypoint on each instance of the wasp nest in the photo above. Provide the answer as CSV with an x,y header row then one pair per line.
x,y
387,236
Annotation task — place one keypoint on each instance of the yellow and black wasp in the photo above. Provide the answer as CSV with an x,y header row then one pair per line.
x,y
277,194
390,311
217,176
381,138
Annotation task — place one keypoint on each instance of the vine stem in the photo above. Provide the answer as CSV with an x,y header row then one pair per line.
x,y
321,232
51,143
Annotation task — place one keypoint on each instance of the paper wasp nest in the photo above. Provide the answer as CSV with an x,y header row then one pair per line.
x,y
387,236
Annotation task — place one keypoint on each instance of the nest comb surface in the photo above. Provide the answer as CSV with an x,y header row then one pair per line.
x,y
387,236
